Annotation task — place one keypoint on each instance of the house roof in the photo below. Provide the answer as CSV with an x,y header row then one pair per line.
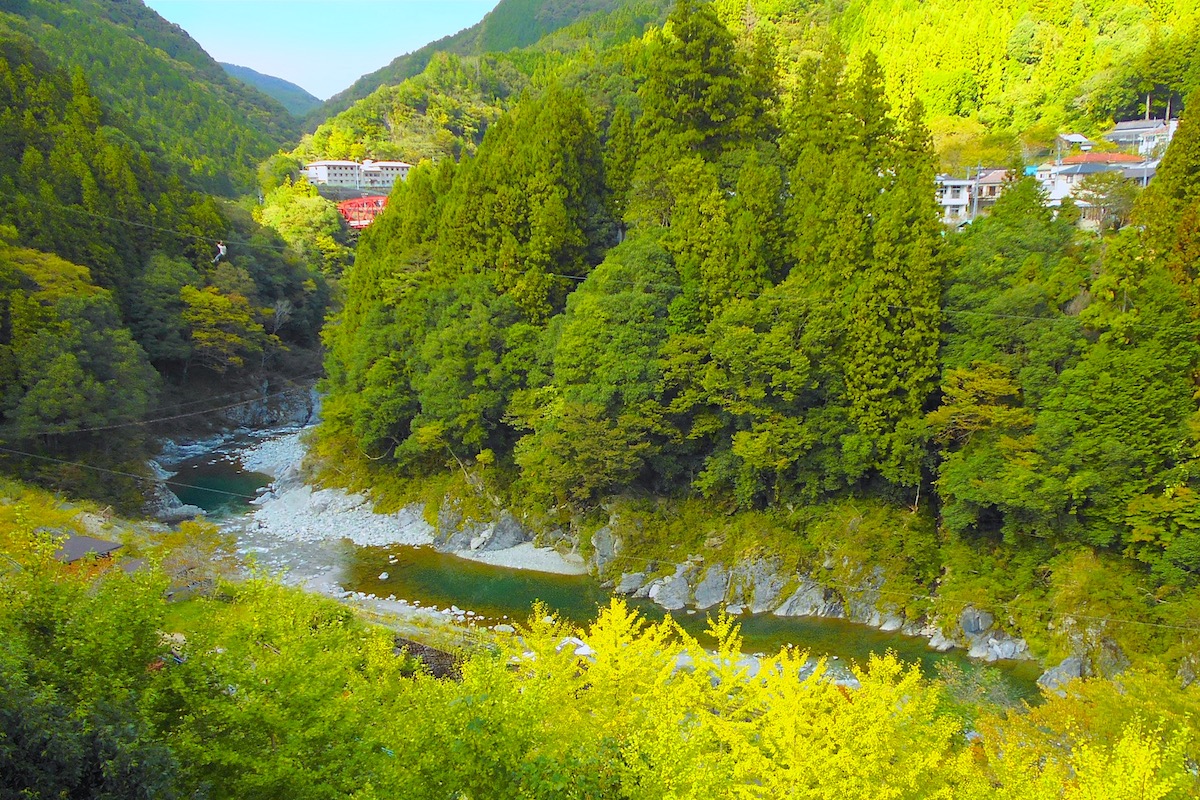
x,y
1088,169
1138,125
1103,158
331,164
1131,130
1141,171
132,565
74,548
994,176
1074,138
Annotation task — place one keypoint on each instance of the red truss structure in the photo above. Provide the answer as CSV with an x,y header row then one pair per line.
x,y
361,212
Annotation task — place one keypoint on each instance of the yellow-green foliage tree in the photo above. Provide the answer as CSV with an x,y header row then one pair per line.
x,y
270,692
309,223
222,326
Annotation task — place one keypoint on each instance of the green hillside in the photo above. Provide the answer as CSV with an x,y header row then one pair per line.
x,y
109,295
997,81
1030,69
159,86
674,276
511,24
444,110
295,99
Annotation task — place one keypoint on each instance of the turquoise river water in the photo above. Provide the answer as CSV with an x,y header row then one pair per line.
x,y
217,483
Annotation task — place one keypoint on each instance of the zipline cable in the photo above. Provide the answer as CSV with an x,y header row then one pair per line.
x,y
119,425
172,231
119,473
842,586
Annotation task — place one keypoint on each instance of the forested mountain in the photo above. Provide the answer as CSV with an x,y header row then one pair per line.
x,y
511,24
295,99
683,284
666,275
1030,70
998,81
158,86
108,286
445,109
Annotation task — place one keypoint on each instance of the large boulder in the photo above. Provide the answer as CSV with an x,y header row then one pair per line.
x,y
605,547
939,641
810,600
450,534
712,588
974,622
630,582
454,533
503,533
274,409
1067,670
165,506
757,584
670,592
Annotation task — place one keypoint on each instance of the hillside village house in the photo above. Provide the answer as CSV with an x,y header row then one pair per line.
x,y
954,196
1146,137
1142,141
369,174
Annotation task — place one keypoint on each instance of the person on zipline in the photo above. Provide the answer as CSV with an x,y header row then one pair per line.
x,y
220,252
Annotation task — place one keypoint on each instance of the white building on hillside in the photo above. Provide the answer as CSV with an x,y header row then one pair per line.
x,y
383,174
954,195
374,175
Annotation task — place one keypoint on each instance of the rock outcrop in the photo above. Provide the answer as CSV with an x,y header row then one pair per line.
x,y
455,534
163,504
757,586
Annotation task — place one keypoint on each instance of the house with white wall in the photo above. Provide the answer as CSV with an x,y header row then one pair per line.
x,y
954,198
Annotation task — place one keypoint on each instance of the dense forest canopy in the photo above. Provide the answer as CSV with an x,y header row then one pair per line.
x,y
677,274
699,282
108,286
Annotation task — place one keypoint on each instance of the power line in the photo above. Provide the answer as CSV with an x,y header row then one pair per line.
x,y
832,585
565,276
173,231
135,423
119,473
293,379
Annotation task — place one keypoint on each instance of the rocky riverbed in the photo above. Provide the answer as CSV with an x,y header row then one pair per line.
x,y
295,511
302,532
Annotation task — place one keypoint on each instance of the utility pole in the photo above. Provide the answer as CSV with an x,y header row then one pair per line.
x,y
975,191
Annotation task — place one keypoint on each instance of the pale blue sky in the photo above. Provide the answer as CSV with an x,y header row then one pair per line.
x,y
321,45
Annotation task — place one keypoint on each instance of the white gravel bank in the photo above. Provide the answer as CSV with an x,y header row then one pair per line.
x,y
274,456
294,511
527,556
302,514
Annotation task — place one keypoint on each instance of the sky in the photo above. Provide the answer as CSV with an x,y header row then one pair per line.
x,y
320,45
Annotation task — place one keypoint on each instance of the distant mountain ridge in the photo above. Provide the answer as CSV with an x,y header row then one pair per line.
x,y
511,24
158,85
296,99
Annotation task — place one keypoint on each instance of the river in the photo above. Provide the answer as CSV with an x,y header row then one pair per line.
x,y
419,576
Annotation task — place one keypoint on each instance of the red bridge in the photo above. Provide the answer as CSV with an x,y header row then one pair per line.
x,y
361,212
